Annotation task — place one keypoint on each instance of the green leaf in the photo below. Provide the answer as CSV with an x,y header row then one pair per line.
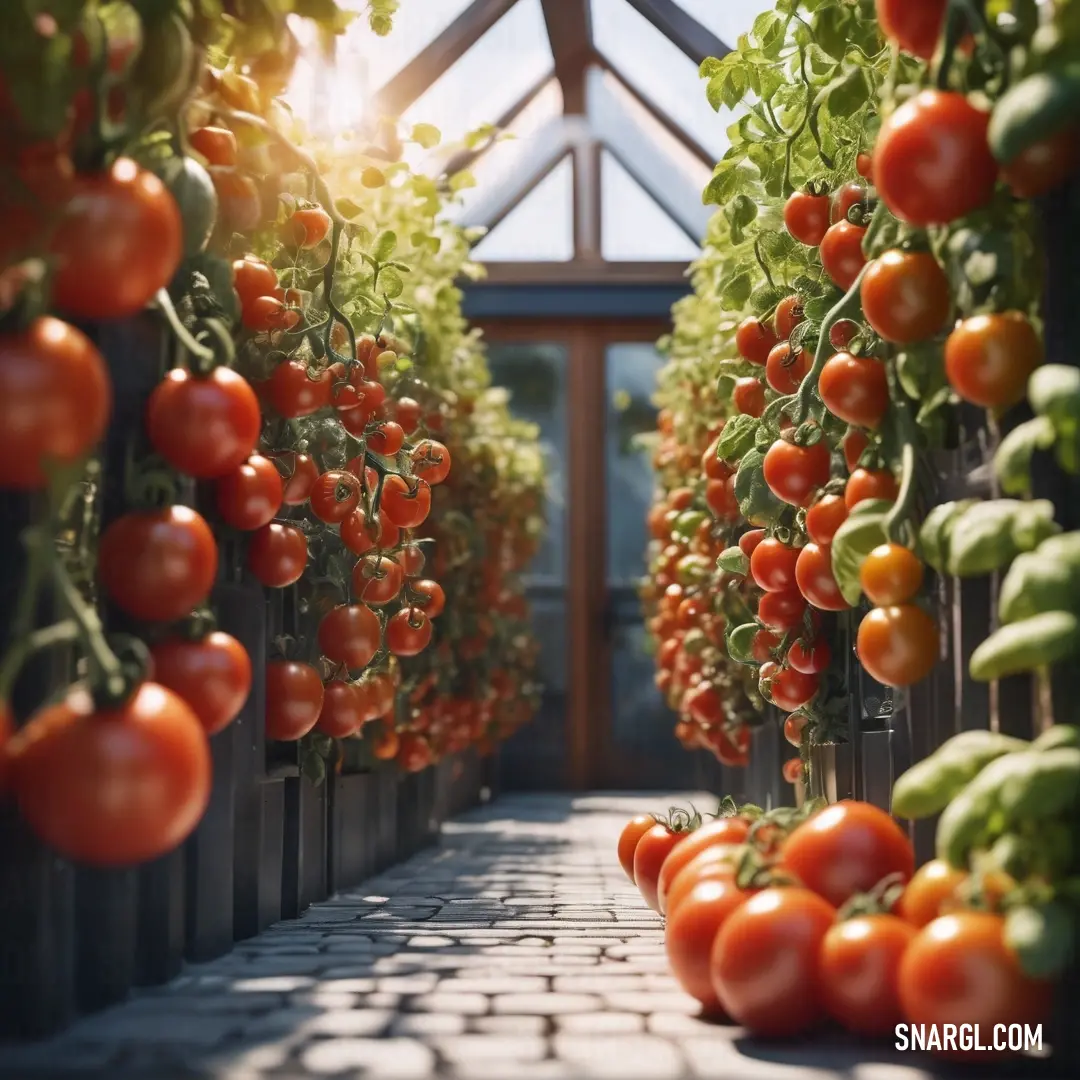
x,y
390,283
313,767
863,531
733,560
348,209
1042,937
1012,462
462,180
738,436
740,211
850,94
372,177
740,643
385,246
735,292
710,66
426,135
723,185
757,503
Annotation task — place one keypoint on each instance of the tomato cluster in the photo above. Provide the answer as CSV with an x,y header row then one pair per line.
x,y
784,921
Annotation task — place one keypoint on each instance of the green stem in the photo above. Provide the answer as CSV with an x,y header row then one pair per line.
x,y
761,263
91,633
201,352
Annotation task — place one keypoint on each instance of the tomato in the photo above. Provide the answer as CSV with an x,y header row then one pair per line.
x,y
959,970
841,253
842,334
1043,165
240,206
765,957
300,474
412,559
342,712
386,745
240,91
294,699
988,358
891,574
789,313
721,832
929,892
436,598
55,400
377,579
118,241
157,565
749,541
715,863
414,753
864,165
205,427
277,555
932,163
794,473
267,314
250,497
810,659
335,496
216,144
843,199
359,538
350,634
632,832
408,631
691,930
112,786
825,517
308,227
711,465
772,565
898,645
431,461
854,444
754,340
407,502
814,577
387,439
913,25
253,278
765,641
720,498
905,297
784,370
794,726
293,393
792,771
749,396
855,389
866,484
806,217
212,675
407,414
789,689
859,972
847,848
782,611
653,848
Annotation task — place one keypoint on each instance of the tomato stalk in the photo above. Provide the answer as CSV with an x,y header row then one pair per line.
x,y
206,357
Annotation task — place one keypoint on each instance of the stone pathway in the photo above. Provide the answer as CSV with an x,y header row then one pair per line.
x,y
516,950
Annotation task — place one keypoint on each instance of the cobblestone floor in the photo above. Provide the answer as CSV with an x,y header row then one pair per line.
x,y
516,950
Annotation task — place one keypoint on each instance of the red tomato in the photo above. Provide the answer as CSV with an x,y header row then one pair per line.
x,y
55,400
387,439
794,726
249,497
854,444
212,675
430,461
932,163
407,502
308,227
300,474
890,574
293,393
294,698
377,579
855,389
810,659
342,712
806,217
691,931
408,632
772,565
749,396
412,560
864,166
216,144
988,358
118,241
157,565
794,473
433,598
789,313
898,645
632,832
959,970
1044,165
765,641
754,340
825,517
929,892
841,253
749,541
721,500
814,576
112,787
792,770
789,689
914,25
268,314
240,205
765,960
784,370
359,538
407,414
414,753
843,199
905,297
866,484
277,555
721,832
253,278
714,863
842,334
847,848
652,849
335,496
782,611
859,972
711,465
350,634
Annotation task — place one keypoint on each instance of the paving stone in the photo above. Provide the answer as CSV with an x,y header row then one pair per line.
x,y
425,1025
462,1004
600,1023
513,984
622,1057
392,1059
544,1004
509,1025
502,1048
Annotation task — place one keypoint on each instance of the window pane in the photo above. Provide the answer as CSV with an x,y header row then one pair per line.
x,y
659,70
630,383
535,376
633,226
727,19
538,229
498,70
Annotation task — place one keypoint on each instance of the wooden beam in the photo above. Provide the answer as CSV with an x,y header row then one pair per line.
x,y
681,29
569,27
418,75
585,272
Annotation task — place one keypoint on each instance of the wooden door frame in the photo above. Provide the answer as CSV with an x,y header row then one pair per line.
x,y
589,716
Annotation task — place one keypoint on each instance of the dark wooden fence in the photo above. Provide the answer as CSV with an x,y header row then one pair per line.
x,y
73,939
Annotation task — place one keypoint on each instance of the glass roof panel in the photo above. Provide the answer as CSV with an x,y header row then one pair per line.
x,y
659,70
497,164
727,19
633,226
540,228
497,71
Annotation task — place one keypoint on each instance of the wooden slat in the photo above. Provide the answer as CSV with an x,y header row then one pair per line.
x,y
395,96
681,29
581,271
570,32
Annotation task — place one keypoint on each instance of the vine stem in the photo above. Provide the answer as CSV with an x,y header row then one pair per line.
x,y
165,304
91,632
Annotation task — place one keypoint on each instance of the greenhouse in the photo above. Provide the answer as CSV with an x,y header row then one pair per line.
x,y
536,539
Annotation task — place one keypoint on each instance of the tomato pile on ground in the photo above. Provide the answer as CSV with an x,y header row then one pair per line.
x,y
327,399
